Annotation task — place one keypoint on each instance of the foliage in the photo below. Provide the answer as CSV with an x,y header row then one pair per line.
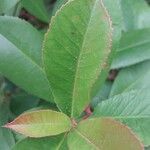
x,y
81,83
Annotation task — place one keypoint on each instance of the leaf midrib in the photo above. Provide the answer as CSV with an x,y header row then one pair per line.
x,y
61,142
32,61
86,139
78,61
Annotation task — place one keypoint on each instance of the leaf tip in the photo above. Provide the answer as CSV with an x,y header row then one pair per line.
x,y
6,126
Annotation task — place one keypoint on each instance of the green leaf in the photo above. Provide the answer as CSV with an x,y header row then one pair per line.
x,y
132,78
58,5
52,143
20,56
6,137
1,82
102,134
102,94
36,8
136,14
131,108
5,5
22,35
134,48
21,102
114,9
40,123
76,51
147,148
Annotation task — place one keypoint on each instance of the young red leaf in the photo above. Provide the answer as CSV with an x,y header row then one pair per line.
x,y
40,123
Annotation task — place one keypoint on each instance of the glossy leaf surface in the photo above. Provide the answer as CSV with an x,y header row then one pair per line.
x,y
134,48
20,56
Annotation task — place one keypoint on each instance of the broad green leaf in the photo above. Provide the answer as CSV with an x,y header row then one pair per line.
x,y
47,143
40,123
36,8
134,77
20,56
136,14
134,48
23,36
5,5
131,108
102,134
76,51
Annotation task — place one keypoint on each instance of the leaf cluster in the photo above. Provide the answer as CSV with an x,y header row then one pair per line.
x,y
78,74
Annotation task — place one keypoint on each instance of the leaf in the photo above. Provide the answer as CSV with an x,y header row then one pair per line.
x,y
103,94
21,102
103,134
15,10
131,108
114,9
30,44
135,13
6,137
115,12
20,56
147,148
1,81
134,48
40,123
58,5
76,51
37,9
53,143
5,5
132,78
4,110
